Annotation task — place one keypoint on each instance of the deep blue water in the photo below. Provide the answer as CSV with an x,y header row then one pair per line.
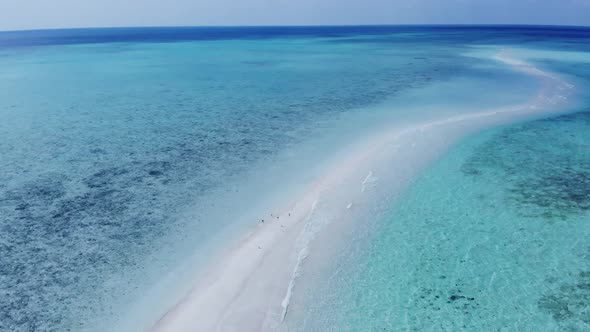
x,y
449,34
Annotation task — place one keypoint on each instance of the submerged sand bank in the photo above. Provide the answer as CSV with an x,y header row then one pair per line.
x,y
249,286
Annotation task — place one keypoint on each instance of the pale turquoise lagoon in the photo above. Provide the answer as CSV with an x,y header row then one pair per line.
x,y
126,153
495,236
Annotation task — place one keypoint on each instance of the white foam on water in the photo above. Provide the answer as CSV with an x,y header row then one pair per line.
x,y
369,179
303,243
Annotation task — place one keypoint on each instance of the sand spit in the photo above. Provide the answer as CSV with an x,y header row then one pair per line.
x,y
249,287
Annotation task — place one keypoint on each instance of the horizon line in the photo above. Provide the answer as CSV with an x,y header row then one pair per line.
x,y
306,26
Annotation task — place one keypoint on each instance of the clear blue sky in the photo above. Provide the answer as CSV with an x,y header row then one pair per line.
x,y
33,14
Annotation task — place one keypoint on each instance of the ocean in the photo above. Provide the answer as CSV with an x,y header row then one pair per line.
x,y
130,156
493,237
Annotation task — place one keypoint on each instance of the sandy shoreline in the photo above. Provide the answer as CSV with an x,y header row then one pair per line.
x,y
249,286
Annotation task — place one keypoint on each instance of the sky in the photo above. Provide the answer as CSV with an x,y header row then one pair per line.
x,y
40,14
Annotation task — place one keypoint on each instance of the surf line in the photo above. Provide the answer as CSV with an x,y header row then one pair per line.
x,y
368,180
301,256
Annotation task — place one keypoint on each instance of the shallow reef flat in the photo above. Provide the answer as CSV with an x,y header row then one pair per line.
x,y
131,157
494,236
115,150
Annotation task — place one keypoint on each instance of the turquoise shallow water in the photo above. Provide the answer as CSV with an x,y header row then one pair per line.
x,y
491,237
124,152
495,236
119,151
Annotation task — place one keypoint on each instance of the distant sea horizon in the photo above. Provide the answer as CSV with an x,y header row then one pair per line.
x,y
286,29
306,25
